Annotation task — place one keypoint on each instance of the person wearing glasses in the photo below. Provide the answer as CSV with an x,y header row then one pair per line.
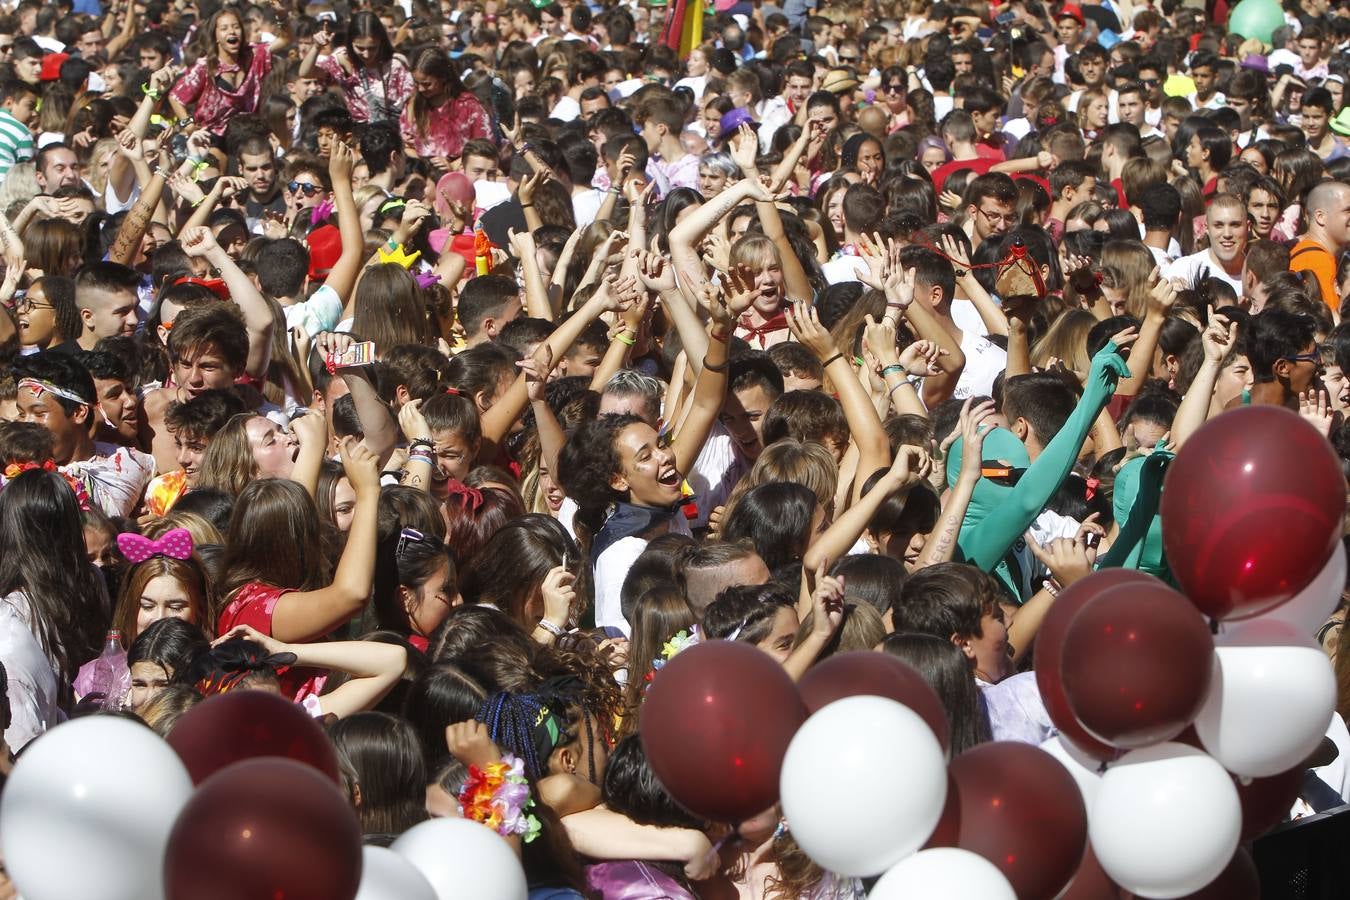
x,y
48,316
1283,352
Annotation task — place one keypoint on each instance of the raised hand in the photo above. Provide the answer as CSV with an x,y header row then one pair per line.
x,y
198,241
559,595
804,323
656,273
745,150
341,162
921,358
827,604
1219,337
537,367
911,466
412,423
1314,409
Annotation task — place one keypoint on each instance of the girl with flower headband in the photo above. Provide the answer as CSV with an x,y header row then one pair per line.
x,y
660,616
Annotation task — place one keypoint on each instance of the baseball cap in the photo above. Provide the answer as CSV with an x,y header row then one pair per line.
x,y
1071,11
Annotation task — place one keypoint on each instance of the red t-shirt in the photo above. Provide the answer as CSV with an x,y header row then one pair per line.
x,y
254,605
942,172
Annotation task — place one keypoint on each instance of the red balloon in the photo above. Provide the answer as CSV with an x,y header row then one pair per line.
x,y
1090,882
1137,662
1049,647
1240,881
243,724
264,828
1266,801
878,674
1251,510
1022,811
716,723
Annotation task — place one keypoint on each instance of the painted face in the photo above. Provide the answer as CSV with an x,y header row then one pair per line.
x,y
455,455
430,603
273,449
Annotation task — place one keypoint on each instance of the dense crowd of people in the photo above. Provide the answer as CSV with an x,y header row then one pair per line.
x,y
455,363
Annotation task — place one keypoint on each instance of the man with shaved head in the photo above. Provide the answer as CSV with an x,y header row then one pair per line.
x,y
1328,234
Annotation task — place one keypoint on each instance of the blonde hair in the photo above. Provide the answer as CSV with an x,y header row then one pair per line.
x,y
802,462
228,464
1066,340
202,531
1132,261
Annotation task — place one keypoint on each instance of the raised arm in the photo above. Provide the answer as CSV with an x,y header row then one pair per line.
x,y
985,542
1162,297
686,236
342,277
309,615
536,292
377,425
744,148
725,306
972,429
258,319
1219,337
995,322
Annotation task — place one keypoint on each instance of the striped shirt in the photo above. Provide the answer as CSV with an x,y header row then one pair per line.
x,y
16,142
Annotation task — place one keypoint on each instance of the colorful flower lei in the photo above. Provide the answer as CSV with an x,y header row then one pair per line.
x,y
682,640
498,795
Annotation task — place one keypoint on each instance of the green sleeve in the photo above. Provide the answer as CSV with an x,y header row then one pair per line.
x,y
984,543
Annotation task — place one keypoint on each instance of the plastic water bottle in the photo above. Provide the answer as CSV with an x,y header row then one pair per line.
x,y
110,671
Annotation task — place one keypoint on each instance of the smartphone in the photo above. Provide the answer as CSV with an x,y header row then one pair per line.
x,y
178,146
1006,18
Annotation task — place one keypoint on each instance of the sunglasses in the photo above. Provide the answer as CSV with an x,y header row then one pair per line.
x,y
1312,357
895,88
849,60
297,187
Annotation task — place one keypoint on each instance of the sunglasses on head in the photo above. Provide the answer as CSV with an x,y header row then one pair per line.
x,y
297,187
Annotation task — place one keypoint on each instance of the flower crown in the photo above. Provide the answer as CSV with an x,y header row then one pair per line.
x,y
498,796
15,469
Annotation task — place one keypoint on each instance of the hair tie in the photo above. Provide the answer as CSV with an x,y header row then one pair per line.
x,y
1092,485
469,498
453,391
175,544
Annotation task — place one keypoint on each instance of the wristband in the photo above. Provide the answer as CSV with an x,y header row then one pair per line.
x,y
150,92
826,363
552,629
421,442
720,338
527,206
628,339
898,387
719,367
896,369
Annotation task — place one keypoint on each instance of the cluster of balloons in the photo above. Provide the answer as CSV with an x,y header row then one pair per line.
x,y
244,800
1156,712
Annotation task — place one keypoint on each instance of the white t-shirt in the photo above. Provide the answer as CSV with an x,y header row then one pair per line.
x,y
984,361
715,472
33,689
612,568
1188,267
967,317
586,206
696,83
567,110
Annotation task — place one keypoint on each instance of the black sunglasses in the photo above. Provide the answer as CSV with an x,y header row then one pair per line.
x,y
895,88
309,190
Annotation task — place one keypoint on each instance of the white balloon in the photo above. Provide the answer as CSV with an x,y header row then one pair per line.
x,y
1272,693
460,858
1082,767
863,784
88,809
1166,820
387,876
1311,606
946,872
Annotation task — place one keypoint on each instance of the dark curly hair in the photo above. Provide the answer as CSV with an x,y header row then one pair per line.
x,y
587,464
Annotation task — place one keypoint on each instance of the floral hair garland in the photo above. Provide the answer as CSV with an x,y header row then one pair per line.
x,y
15,469
682,640
498,796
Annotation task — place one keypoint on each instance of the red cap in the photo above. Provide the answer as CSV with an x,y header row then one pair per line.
x,y
51,65
1071,11
325,248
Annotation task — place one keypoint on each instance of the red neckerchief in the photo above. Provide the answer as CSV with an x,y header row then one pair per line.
x,y
750,332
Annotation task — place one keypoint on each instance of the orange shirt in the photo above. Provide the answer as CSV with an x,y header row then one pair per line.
x,y
1310,256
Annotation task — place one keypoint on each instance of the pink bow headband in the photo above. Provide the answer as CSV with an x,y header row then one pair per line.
x,y
175,544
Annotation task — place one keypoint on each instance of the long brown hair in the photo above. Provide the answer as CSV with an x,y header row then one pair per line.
x,y
187,572
274,539
389,308
434,63
228,464
659,615
210,50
